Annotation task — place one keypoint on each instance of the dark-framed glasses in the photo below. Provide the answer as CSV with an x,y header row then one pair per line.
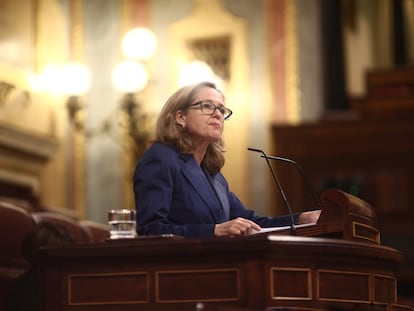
x,y
208,107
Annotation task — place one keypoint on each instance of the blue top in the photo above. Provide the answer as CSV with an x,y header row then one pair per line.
x,y
174,195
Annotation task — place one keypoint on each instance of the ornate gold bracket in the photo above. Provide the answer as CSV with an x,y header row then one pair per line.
x,y
5,90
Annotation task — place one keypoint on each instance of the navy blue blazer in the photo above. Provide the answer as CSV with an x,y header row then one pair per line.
x,y
174,195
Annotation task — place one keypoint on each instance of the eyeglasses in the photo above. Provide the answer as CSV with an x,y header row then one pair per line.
x,y
207,107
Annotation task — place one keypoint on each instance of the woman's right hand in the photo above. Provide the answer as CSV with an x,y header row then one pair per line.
x,y
236,227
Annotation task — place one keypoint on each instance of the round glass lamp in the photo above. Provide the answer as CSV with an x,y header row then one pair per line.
x,y
139,43
75,79
48,80
130,77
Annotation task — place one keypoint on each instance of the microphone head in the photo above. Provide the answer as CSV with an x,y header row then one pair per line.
x,y
255,150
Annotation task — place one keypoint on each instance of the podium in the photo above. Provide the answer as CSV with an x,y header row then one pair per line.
x,y
337,265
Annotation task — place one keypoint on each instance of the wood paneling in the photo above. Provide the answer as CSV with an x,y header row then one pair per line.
x,y
368,152
241,273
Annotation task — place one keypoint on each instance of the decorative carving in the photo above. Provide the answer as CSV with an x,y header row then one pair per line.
x,y
23,157
215,52
5,89
27,143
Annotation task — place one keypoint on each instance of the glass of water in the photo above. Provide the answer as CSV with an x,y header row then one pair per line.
x,y
122,223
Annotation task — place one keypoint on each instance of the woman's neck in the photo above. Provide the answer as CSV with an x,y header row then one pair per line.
x,y
199,153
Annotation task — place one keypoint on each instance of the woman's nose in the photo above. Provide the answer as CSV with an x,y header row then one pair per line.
x,y
217,113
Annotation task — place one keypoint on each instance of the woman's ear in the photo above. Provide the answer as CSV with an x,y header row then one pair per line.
x,y
180,118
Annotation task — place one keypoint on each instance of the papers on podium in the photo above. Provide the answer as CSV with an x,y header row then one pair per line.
x,y
276,229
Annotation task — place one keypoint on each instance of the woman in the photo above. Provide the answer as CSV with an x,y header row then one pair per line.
x,y
177,183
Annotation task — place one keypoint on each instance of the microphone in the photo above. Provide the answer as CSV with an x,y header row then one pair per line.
x,y
279,187
302,175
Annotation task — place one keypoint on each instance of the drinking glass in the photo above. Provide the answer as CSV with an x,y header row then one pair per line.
x,y
122,224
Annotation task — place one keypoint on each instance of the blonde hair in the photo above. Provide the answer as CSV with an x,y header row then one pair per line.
x,y
168,131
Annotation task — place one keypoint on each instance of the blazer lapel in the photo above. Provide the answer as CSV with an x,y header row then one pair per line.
x,y
198,180
221,192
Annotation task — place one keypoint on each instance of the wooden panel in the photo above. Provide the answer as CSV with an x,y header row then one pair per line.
x,y
198,285
362,231
385,289
344,286
291,283
87,289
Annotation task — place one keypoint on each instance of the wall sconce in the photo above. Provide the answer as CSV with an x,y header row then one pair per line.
x,y
139,43
75,82
131,77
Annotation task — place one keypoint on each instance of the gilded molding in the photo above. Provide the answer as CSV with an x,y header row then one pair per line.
x,y
76,31
77,152
292,76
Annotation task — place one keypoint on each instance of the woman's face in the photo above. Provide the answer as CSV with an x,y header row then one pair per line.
x,y
203,128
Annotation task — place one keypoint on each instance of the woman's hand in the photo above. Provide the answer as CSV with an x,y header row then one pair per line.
x,y
235,227
309,217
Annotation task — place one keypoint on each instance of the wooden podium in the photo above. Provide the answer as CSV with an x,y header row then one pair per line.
x,y
341,266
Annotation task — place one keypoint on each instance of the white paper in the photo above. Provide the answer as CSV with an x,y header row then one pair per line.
x,y
273,229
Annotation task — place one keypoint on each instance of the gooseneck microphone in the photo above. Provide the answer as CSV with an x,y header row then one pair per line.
x,y
302,175
279,187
